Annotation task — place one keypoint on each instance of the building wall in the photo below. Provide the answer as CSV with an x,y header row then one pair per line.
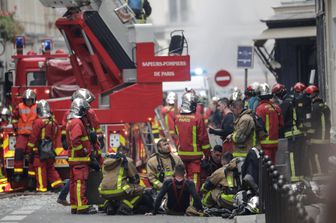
x,y
214,29
330,45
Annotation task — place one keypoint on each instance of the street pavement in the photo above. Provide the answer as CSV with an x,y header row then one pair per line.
x,y
43,208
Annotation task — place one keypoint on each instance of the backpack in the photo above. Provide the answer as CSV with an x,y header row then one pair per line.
x,y
260,127
46,147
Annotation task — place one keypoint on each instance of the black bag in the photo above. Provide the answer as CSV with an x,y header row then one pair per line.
x,y
46,150
260,127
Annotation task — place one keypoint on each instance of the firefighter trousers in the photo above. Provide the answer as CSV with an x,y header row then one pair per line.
x,y
78,179
193,168
217,198
129,196
296,152
46,173
318,158
20,151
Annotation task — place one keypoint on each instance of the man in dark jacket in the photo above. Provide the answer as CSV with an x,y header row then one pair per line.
x,y
179,190
226,125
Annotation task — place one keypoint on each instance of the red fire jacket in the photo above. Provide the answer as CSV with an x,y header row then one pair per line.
x,y
78,140
42,129
273,119
23,117
193,136
168,114
92,118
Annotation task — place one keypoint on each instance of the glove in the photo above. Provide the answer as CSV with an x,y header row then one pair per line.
x,y
94,163
101,141
64,142
93,137
211,130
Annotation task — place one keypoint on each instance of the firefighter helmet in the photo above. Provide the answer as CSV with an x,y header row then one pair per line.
x,y
29,94
252,205
278,89
79,108
264,91
83,93
43,109
171,98
311,89
251,90
189,102
236,94
5,113
299,87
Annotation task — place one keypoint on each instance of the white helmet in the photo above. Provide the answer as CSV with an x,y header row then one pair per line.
x,y
43,109
238,199
29,94
171,98
252,205
236,95
264,91
189,102
79,108
83,93
5,113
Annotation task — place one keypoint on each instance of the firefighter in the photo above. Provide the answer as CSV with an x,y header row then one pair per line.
x,y
319,133
169,111
91,121
23,116
302,105
141,8
221,187
251,99
41,146
193,137
272,118
4,124
161,164
244,134
290,129
120,183
179,191
79,153
213,115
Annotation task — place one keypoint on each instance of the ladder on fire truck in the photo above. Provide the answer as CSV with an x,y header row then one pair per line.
x,y
147,135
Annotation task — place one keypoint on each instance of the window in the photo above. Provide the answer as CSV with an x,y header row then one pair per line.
x,y
36,78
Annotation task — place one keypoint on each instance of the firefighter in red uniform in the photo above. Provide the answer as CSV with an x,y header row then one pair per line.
x,y
168,113
23,117
40,144
80,151
91,120
319,133
193,137
272,117
4,124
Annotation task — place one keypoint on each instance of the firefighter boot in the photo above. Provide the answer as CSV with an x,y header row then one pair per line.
x,y
109,208
124,210
89,210
18,178
31,184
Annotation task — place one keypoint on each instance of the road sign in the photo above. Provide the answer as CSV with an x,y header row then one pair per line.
x,y
222,78
245,57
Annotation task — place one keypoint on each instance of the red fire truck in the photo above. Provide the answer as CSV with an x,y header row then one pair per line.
x,y
110,55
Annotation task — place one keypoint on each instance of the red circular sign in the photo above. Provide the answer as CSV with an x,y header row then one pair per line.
x,y
223,78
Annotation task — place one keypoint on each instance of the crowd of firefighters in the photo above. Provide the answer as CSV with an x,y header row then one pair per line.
x,y
197,180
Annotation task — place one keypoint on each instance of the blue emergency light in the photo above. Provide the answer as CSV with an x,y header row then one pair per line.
x,y
19,42
47,45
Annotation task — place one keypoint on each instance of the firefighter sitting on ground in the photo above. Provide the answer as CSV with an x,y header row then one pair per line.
x,y
80,154
161,165
41,146
23,116
120,184
179,190
221,187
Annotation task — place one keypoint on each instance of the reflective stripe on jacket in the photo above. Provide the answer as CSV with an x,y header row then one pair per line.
x,y
26,116
193,136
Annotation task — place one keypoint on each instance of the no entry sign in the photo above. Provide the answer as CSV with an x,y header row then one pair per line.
x,y
223,78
